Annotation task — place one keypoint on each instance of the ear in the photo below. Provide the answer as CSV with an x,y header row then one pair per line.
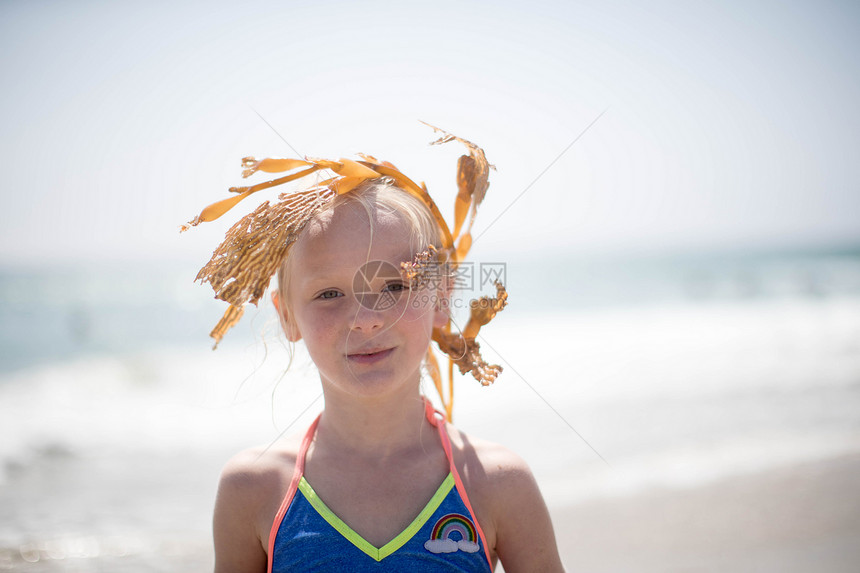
x,y
291,329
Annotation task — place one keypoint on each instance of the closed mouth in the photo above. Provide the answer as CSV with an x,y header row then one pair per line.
x,y
369,352
370,355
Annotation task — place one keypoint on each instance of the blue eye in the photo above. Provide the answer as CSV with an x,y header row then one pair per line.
x,y
329,294
396,287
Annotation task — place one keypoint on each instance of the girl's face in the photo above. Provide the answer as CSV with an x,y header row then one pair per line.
x,y
365,330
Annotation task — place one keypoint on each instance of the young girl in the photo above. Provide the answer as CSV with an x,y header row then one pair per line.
x,y
380,481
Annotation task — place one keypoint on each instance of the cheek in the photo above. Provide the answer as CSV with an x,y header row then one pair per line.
x,y
422,300
428,302
419,312
311,324
319,323
322,342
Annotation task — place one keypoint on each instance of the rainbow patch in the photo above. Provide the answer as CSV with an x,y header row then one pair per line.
x,y
453,532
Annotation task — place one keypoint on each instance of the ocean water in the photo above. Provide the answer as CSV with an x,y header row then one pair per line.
x,y
620,376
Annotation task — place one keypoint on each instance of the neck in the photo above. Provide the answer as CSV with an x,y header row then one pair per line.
x,y
374,427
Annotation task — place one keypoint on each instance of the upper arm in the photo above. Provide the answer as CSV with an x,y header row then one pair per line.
x,y
525,540
238,544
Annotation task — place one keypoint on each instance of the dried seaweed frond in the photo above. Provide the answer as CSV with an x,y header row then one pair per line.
x,y
230,319
427,268
243,264
270,165
462,348
473,172
466,354
484,310
215,210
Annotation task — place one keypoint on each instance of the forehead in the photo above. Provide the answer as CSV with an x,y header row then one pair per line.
x,y
349,236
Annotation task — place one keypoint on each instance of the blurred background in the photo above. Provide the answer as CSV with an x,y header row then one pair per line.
x,y
675,208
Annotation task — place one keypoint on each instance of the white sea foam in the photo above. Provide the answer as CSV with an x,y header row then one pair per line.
x,y
674,395
168,401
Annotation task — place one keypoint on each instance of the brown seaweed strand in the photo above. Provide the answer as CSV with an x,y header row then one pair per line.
x,y
426,269
231,317
466,354
473,178
243,264
484,309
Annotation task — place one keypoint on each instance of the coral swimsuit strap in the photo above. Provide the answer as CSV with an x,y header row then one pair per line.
x,y
434,417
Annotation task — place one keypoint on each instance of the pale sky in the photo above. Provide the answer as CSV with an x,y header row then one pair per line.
x,y
726,125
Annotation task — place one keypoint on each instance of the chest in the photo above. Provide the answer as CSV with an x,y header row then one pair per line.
x,y
442,538
377,501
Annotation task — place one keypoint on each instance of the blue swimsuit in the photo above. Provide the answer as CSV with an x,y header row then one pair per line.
x,y
307,536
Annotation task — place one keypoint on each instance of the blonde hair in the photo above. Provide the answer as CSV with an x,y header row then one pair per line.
x,y
372,195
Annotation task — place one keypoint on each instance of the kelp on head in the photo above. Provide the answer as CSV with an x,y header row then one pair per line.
x,y
242,266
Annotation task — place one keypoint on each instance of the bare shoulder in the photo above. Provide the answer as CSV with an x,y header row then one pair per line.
x,y
490,467
250,490
249,471
509,504
495,459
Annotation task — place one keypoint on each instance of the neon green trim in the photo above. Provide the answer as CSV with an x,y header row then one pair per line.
x,y
420,520
358,540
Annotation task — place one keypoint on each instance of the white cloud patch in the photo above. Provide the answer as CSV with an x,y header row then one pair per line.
x,y
441,546
450,546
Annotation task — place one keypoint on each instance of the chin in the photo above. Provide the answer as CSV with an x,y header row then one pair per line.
x,y
372,384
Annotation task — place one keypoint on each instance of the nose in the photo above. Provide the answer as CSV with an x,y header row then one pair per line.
x,y
369,312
